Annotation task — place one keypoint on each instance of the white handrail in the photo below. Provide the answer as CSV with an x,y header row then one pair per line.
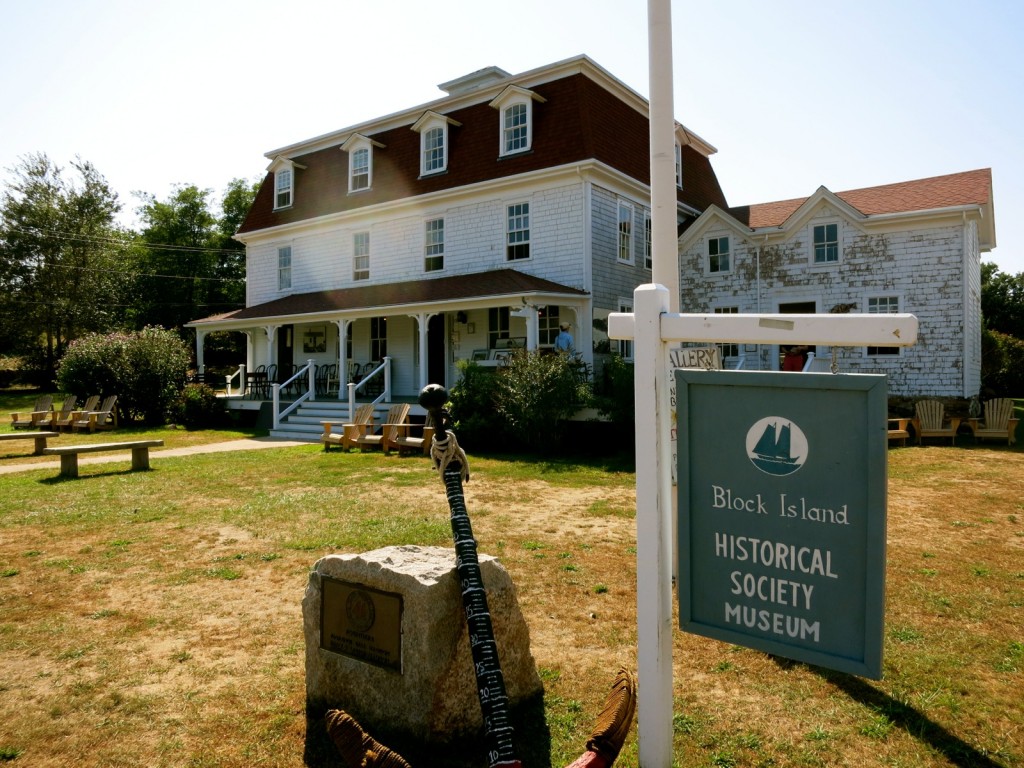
x,y
385,395
240,373
309,394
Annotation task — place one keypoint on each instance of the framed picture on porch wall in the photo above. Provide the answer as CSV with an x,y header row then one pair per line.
x,y
314,339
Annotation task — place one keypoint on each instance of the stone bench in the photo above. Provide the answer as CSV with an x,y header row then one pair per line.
x,y
39,437
69,453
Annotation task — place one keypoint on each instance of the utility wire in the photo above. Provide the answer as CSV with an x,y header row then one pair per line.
x,y
77,237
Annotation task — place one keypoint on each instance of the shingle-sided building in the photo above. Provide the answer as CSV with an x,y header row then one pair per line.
x,y
449,230
908,247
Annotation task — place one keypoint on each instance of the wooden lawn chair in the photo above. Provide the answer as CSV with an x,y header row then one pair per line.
x,y
65,421
402,439
40,410
929,421
66,409
397,414
104,418
999,421
349,430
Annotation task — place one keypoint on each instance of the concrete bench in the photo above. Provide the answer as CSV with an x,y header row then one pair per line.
x,y
69,453
39,437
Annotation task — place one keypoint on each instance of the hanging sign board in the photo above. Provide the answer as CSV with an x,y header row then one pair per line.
x,y
782,504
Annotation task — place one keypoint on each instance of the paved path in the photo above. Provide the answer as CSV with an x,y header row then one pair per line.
x,y
244,444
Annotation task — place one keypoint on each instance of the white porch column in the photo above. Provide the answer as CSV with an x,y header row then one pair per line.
x,y
422,322
200,344
342,357
529,313
271,331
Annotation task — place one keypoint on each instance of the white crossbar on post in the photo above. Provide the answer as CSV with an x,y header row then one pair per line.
x,y
652,328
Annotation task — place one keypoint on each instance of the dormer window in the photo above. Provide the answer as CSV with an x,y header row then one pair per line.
x,y
515,105
284,181
283,185
433,130
360,161
679,165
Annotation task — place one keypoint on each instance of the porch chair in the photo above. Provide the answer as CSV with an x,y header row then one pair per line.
x,y
999,421
397,414
349,430
64,421
929,421
403,441
50,420
104,418
29,420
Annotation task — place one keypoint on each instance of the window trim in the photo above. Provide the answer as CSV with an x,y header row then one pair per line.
x,y
648,240
357,271
679,165
625,346
514,96
429,122
724,347
280,189
509,231
284,251
427,244
355,144
813,248
707,255
624,239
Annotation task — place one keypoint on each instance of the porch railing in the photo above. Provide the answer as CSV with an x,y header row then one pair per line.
x,y
309,371
384,369
240,375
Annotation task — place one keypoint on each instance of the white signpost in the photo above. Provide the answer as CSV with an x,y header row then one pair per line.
x,y
653,329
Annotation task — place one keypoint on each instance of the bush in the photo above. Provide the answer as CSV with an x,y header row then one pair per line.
x,y
616,401
536,392
198,407
472,406
1002,368
145,369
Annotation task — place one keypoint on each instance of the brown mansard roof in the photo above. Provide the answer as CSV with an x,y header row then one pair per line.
x,y
937,192
579,120
480,285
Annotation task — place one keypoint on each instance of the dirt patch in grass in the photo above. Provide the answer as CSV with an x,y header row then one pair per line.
x,y
173,639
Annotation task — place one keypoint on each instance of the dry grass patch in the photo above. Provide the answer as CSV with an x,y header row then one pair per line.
x,y
153,618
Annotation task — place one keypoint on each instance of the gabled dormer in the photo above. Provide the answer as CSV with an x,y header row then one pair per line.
x,y
433,130
360,161
515,105
284,181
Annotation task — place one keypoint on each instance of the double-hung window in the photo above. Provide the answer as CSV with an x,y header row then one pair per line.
x,y
360,161
648,251
283,188
433,248
728,350
517,232
378,338
826,243
284,268
625,346
497,326
515,107
883,305
625,232
361,256
679,165
547,325
719,257
433,130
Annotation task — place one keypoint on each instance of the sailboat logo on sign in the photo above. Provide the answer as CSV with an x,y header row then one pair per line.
x,y
776,446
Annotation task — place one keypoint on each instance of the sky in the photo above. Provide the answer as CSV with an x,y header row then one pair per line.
x,y
794,94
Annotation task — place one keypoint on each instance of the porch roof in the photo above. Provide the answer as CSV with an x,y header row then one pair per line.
x,y
484,288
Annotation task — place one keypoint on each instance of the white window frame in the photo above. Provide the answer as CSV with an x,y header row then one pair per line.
x,y
893,302
284,185
730,256
433,244
679,164
433,159
355,145
648,241
838,242
511,98
517,230
728,351
624,232
625,346
284,268
360,256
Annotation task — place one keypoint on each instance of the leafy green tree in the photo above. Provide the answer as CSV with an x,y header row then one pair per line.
x,y
62,258
146,370
1002,300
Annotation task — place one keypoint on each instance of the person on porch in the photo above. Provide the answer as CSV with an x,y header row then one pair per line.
x,y
563,341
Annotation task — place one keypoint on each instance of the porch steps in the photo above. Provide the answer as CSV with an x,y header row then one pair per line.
x,y
304,422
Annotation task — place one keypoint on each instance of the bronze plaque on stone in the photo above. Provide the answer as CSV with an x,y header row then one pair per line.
x,y
361,622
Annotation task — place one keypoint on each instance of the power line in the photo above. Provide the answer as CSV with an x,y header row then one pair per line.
x,y
137,243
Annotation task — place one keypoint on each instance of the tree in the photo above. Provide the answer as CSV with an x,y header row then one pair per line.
x,y
1002,300
62,258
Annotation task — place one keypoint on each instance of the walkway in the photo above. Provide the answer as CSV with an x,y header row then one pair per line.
x,y
244,444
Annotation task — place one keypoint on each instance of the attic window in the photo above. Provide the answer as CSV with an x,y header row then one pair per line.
x,y
283,186
516,107
826,243
433,130
360,161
